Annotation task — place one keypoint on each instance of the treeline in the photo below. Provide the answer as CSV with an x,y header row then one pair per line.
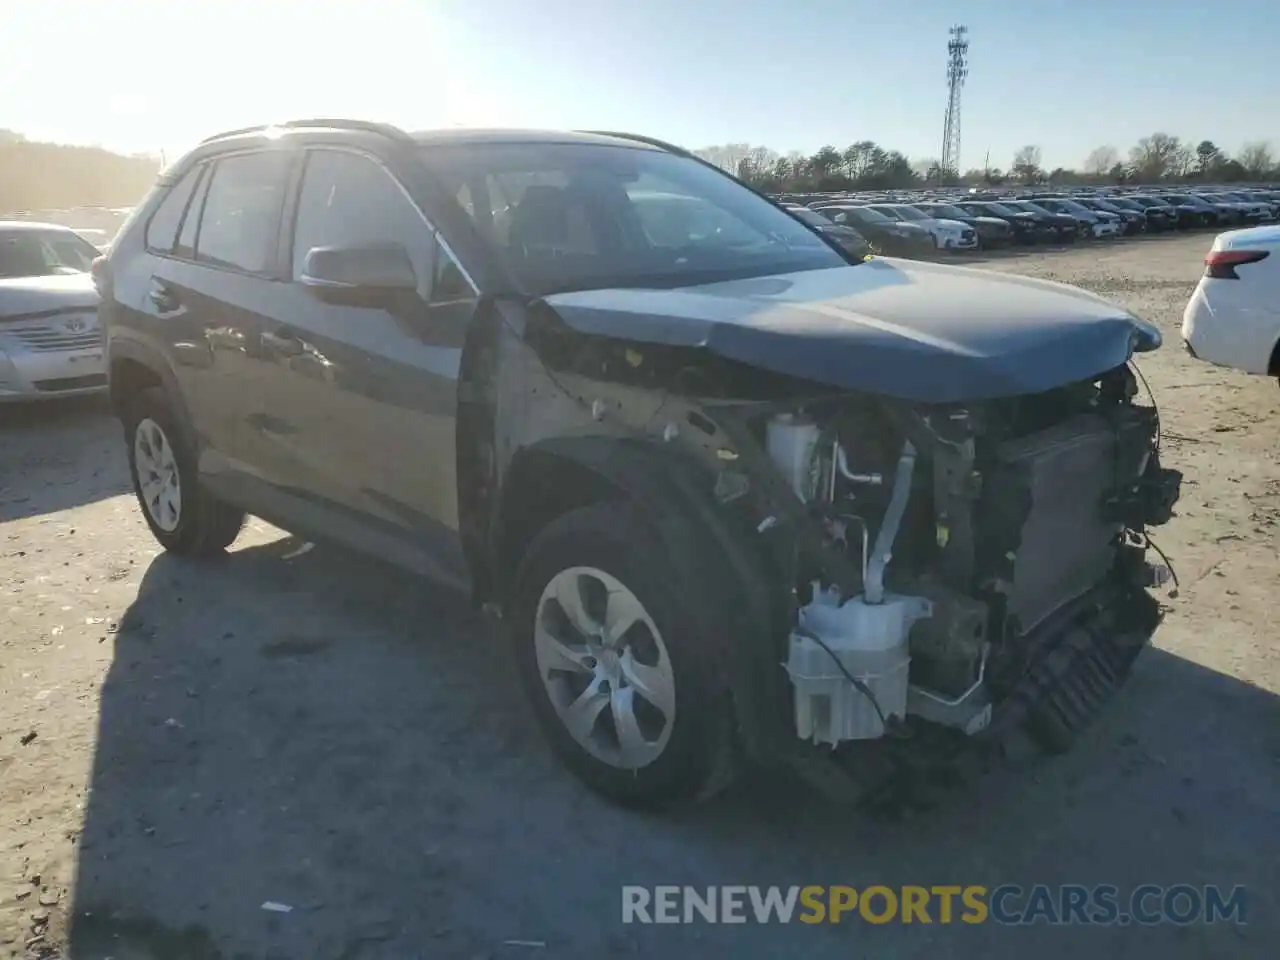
x,y
866,165
50,176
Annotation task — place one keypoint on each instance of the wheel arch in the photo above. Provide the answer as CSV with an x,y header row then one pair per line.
x,y
704,539
1273,365
134,367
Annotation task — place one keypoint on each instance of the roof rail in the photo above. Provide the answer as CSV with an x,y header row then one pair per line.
x,y
641,138
334,123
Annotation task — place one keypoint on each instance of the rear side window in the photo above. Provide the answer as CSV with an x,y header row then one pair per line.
x,y
162,228
186,246
239,225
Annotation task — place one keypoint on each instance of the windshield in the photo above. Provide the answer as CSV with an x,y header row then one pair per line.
x,y
576,216
907,213
946,210
43,253
1072,206
866,214
1001,209
1123,203
811,217
1028,205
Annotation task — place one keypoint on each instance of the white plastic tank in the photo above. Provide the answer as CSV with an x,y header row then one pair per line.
x,y
792,442
870,641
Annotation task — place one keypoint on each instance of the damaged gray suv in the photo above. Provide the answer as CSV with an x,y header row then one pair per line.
x,y
739,496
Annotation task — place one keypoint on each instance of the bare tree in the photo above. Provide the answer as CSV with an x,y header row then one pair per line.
x,y
1026,164
1158,155
1100,160
1257,159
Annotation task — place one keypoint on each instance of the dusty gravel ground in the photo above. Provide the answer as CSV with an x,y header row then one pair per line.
x,y
181,743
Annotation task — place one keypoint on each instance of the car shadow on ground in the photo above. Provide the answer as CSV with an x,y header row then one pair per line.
x,y
314,756
58,454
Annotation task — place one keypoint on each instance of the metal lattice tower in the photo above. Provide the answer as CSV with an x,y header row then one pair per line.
x,y
957,70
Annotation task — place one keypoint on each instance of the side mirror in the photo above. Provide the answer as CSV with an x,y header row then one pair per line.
x,y
369,276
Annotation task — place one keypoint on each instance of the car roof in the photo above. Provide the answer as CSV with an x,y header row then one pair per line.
x,y
465,135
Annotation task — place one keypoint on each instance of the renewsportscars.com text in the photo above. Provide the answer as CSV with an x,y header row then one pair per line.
x,y
1008,904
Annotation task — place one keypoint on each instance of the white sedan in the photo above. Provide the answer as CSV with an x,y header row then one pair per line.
x,y
1233,319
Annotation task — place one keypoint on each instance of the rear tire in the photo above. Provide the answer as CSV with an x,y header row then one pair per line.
x,y
659,731
183,516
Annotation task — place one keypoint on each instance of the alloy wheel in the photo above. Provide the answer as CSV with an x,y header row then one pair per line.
x,y
157,472
605,667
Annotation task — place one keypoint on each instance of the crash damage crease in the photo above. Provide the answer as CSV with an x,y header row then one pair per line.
x,y
680,427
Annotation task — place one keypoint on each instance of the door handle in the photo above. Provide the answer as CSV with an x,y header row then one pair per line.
x,y
163,296
283,344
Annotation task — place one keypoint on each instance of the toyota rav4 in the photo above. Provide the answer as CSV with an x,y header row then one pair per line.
x,y
738,495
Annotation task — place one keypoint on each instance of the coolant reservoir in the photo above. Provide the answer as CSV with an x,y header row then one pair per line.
x,y
870,641
791,442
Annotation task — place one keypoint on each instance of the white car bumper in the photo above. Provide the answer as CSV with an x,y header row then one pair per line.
x,y
953,241
1225,325
1107,229
40,360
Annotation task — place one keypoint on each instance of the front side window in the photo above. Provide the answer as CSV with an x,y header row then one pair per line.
x,y
239,226
349,200
566,216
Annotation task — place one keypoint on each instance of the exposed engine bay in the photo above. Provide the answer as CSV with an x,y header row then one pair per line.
x,y
910,571
968,528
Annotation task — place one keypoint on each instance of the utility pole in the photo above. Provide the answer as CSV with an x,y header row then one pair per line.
x,y
957,70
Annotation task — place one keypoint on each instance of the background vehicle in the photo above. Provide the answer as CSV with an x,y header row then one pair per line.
x,y
1133,221
637,407
1176,217
1027,226
893,237
1158,217
849,239
947,234
1066,227
1093,223
1192,211
991,231
1233,317
50,342
1252,212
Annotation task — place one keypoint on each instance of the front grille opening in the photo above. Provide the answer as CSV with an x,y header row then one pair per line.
x,y
58,384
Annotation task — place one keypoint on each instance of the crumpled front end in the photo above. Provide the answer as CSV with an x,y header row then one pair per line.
x,y
894,573
995,573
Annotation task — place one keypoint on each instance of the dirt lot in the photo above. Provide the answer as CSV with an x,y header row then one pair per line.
x,y
180,743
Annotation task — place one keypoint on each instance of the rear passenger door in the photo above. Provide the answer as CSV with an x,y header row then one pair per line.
x,y
213,283
361,402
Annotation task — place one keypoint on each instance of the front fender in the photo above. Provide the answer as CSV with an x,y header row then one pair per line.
x,y
719,552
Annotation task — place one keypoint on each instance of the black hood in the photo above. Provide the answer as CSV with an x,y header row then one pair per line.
x,y
916,331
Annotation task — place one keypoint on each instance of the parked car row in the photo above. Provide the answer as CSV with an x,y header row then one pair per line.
x,y
917,224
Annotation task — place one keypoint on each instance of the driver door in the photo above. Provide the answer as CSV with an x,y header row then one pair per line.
x,y
359,410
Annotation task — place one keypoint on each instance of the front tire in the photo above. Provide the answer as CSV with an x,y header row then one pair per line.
x,y
612,648
183,516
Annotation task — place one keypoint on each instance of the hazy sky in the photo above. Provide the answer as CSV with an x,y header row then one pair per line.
x,y
791,74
